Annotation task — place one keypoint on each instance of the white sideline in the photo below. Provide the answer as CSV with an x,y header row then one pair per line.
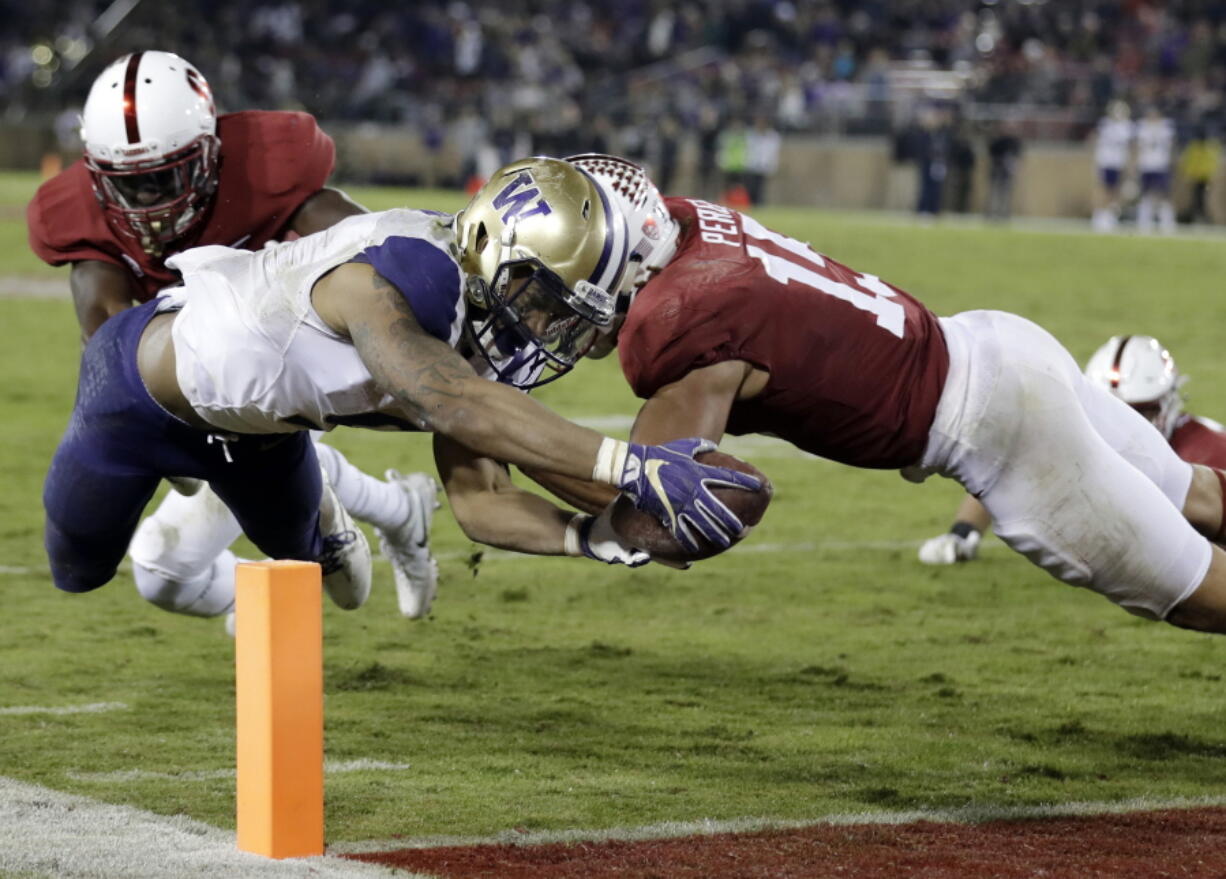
x,y
52,835
707,827
91,708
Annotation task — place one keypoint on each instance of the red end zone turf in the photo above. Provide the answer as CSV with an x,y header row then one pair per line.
x,y
1170,843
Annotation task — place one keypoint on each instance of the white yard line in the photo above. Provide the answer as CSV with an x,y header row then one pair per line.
x,y
46,833
501,555
331,767
90,708
673,829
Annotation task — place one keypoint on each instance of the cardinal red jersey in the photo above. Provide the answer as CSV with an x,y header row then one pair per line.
x,y
271,162
1200,441
856,365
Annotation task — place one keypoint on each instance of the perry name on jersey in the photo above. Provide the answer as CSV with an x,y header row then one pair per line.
x,y
252,355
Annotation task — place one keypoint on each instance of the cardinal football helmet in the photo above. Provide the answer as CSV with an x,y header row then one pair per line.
x,y
150,133
544,251
653,231
1142,373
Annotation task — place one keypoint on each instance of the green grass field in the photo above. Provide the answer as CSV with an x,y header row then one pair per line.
x,y
818,668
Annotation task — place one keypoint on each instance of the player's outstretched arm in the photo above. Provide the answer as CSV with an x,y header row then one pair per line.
x,y
696,405
323,209
99,290
961,542
438,389
492,510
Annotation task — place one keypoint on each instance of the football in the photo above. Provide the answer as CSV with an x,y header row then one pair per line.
x,y
646,532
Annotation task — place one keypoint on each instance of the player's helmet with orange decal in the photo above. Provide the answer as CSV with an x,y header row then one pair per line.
x,y
1142,373
544,250
150,133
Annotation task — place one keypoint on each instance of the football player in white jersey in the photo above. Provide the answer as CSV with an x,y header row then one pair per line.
x,y
1155,152
162,171
403,319
1142,373
1112,144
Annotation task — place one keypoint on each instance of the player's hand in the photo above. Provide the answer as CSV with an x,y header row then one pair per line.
x,y
949,548
594,537
667,482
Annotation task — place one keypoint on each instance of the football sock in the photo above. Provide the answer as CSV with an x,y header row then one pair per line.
x,y
964,529
382,504
208,594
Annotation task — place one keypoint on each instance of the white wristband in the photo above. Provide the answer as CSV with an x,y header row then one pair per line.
x,y
610,461
570,540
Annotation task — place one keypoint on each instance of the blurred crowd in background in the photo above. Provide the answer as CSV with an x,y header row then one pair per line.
x,y
639,76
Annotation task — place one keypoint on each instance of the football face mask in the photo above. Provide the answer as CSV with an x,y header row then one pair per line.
x,y
533,328
160,202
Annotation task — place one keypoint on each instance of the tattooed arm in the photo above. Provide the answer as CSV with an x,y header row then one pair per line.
x,y
437,388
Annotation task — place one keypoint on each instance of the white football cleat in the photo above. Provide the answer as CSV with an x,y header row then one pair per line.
x,y
345,558
949,548
407,546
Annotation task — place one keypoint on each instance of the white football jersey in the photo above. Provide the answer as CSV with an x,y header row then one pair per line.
x,y
1111,148
1155,145
253,356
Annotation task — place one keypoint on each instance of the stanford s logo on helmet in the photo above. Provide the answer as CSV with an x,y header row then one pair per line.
x,y
150,133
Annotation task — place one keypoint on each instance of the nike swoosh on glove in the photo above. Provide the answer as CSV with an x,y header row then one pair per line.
x,y
667,482
949,548
595,537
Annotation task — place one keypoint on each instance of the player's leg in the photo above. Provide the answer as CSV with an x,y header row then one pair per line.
x,y
401,509
91,512
103,472
180,556
1194,489
1145,213
1085,514
276,490
1205,609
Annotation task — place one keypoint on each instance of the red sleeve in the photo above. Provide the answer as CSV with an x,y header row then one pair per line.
x,y
1200,441
64,221
667,336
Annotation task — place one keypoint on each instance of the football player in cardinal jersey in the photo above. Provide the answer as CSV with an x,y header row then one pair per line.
x,y
731,327
1139,371
162,173
403,320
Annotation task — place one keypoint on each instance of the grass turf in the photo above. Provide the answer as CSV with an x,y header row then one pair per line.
x,y
802,674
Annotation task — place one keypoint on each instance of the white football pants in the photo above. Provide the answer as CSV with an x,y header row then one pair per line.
x,y
1075,479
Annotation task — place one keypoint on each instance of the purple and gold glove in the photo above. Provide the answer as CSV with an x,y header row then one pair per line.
x,y
667,482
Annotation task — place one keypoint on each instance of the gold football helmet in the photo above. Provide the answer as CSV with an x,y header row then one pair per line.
x,y
544,251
